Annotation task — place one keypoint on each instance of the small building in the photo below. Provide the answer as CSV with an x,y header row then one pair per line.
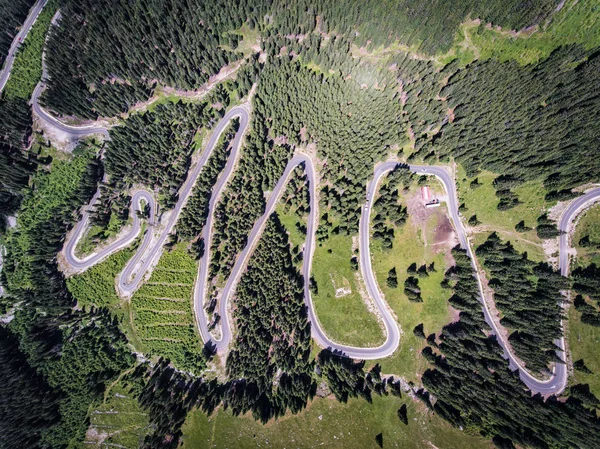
x,y
433,203
425,194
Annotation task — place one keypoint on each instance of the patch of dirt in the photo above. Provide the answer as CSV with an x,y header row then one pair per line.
x,y
323,390
341,292
303,134
280,140
93,436
454,314
57,138
226,72
444,236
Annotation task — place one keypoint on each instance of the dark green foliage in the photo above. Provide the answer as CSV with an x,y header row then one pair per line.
x,y
412,290
346,379
586,242
379,439
118,47
546,228
528,295
261,165
16,165
154,149
99,66
23,391
314,288
502,443
583,393
418,331
168,395
392,278
510,119
520,227
431,26
76,352
296,197
402,414
473,221
12,16
388,212
579,365
194,215
475,388
366,122
587,282
270,361
562,195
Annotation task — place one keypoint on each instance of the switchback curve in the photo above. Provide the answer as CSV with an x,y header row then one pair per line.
x,y
132,275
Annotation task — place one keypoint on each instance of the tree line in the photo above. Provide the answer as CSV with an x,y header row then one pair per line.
x,y
12,17
512,119
152,149
73,353
475,389
16,164
528,295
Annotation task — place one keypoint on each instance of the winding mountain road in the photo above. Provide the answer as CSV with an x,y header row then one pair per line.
x,y
148,252
18,40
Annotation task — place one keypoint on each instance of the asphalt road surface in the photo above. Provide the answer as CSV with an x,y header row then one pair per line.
x,y
18,40
73,132
135,270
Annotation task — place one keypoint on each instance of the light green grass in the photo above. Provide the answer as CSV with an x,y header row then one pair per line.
x,y
588,225
327,423
413,243
96,286
578,22
163,315
289,220
27,68
584,343
345,319
482,201
118,420
249,39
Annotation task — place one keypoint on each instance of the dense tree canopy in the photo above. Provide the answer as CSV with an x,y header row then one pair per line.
x,y
12,16
528,296
476,390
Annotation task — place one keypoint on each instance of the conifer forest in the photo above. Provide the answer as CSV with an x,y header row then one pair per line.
x,y
300,223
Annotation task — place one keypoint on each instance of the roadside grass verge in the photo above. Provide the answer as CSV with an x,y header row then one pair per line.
x,y
118,421
331,424
27,68
346,318
413,244
163,315
482,201
588,226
